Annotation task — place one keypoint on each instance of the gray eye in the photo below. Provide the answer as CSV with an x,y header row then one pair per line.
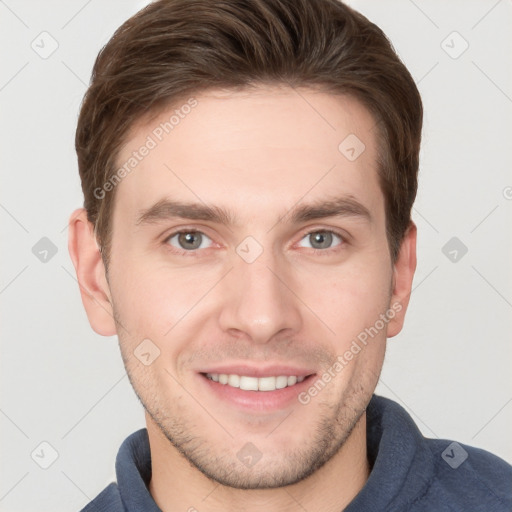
x,y
321,239
189,240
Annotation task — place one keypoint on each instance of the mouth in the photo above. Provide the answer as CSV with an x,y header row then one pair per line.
x,y
260,392
248,383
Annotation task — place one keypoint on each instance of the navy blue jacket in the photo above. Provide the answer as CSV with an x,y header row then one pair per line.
x,y
409,472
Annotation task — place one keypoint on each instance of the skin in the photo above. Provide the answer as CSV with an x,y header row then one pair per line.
x,y
259,154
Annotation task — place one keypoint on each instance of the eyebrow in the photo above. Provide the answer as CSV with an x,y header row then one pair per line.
x,y
345,206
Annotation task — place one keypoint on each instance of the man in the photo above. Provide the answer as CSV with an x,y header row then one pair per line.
x,y
249,169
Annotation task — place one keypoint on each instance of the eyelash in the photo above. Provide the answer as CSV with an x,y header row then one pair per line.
x,y
194,252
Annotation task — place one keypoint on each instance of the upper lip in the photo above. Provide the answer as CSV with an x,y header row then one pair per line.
x,y
259,371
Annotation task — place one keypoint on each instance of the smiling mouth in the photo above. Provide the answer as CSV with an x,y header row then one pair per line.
x,y
246,383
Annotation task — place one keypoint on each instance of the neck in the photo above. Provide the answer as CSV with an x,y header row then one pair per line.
x,y
177,485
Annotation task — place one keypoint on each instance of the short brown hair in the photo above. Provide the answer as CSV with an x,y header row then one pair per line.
x,y
173,49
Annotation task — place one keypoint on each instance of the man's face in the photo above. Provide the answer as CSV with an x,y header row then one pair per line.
x,y
272,294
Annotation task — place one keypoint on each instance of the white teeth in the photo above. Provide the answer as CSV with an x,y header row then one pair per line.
x,y
267,384
254,383
281,382
248,383
234,381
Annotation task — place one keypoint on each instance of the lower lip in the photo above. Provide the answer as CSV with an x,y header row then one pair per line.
x,y
263,401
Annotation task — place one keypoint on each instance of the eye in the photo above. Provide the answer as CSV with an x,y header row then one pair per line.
x,y
188,240
322,239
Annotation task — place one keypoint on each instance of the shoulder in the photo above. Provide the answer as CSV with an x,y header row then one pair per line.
x,y
467,478
109,500
420,474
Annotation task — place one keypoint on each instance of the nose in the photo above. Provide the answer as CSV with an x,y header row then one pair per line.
x,y
258,300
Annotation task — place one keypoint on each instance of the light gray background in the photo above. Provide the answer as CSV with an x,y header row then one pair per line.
x,y
63,384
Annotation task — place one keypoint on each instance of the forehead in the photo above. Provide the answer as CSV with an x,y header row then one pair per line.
x,y
257,151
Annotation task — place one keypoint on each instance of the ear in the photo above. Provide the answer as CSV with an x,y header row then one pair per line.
x,y
403,274
90,272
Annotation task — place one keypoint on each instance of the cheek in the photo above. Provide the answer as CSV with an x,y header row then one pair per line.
x,y
348,299
150,301
352,306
